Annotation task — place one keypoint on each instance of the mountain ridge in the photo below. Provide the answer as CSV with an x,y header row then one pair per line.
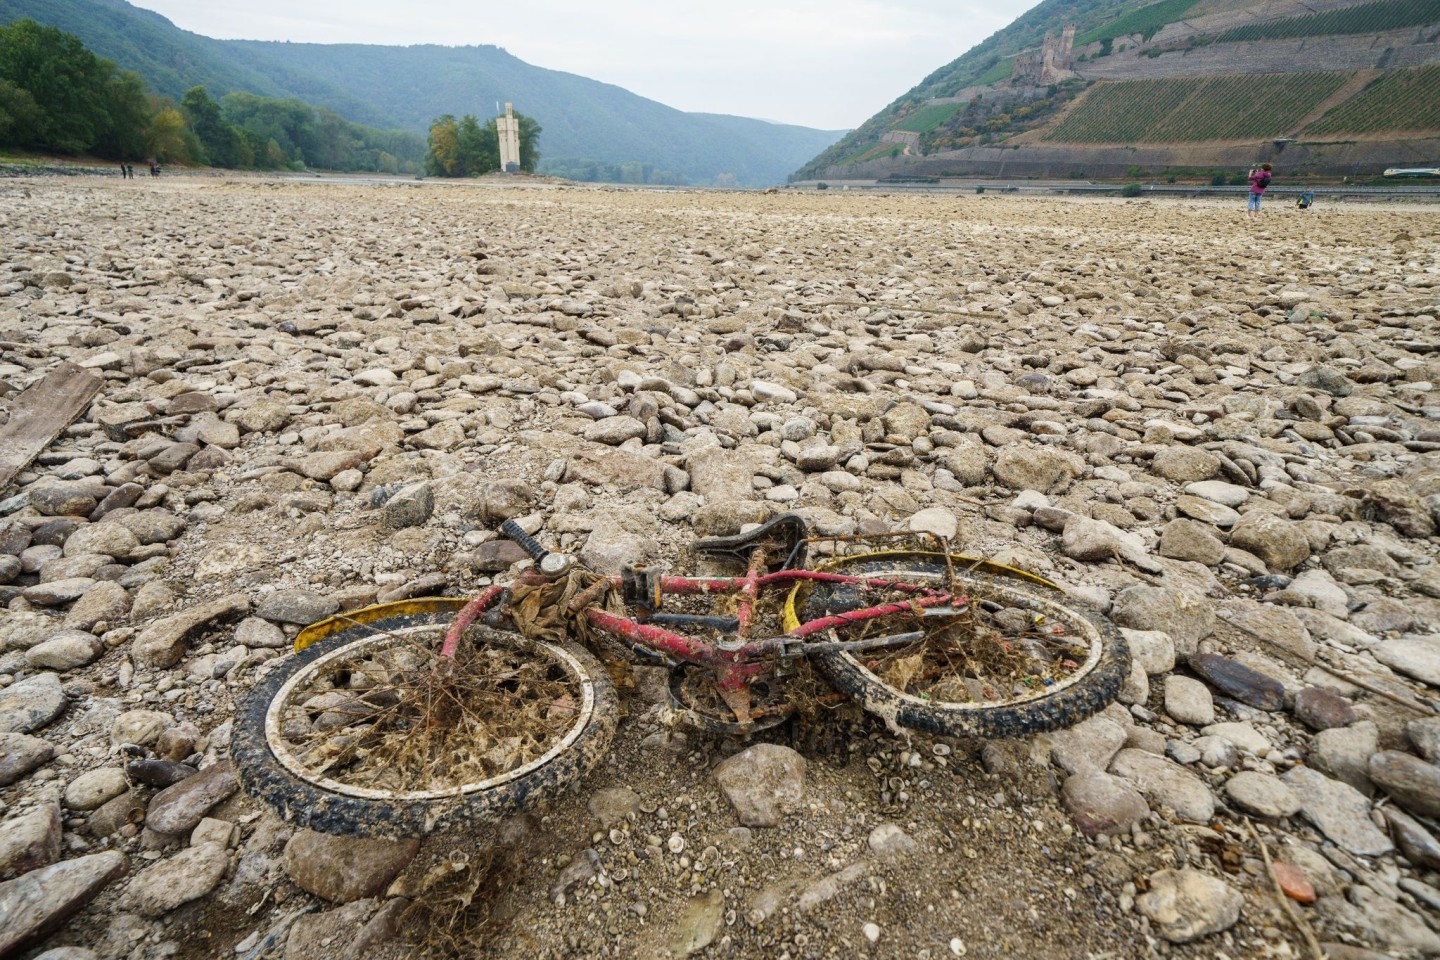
x,y
583,120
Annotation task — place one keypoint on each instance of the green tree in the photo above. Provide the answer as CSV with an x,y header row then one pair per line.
x,y
73,92
529,143
222,144
127,117
167,138
442,158
479,147
469,148
18,111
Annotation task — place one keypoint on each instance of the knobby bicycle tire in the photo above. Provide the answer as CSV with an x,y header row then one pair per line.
x,y
1094,684
320,804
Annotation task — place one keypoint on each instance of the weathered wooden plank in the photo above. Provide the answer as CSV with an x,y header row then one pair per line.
x,y
40,412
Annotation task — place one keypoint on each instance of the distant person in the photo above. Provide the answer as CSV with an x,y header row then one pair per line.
x,y
123,174
130,170
1259,180
1305,200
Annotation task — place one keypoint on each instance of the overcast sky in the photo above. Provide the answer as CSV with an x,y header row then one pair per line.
x,y
819,63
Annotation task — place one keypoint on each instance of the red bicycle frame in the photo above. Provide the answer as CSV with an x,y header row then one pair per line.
x,y
735,662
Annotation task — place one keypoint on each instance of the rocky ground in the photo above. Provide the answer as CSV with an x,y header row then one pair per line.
x,y
1222,433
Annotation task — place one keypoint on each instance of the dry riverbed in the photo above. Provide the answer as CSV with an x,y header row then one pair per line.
x,y
1223,433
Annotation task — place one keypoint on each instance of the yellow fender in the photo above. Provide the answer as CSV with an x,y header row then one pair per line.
x,y
380,611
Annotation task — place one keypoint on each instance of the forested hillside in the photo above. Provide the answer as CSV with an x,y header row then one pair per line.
x,y
1193,83
589,127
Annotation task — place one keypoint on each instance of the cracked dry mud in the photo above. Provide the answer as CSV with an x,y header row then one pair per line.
x,y
1225,434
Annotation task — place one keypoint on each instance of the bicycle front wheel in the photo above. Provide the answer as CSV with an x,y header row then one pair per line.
x,y
370,732
1011,658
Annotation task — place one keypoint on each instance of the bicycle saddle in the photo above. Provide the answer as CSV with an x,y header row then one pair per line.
x,y
787,533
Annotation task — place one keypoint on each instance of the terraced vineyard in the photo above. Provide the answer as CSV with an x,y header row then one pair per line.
x,y
1145,21
928,117
1376,17
1237,108
1121,112
1194,109
1403,100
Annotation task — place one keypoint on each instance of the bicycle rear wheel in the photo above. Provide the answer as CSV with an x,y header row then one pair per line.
x,y
1018,658
369,732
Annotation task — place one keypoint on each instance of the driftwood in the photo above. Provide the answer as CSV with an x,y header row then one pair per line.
x,y
40,412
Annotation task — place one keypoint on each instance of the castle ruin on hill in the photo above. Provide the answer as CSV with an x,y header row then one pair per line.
x,y
1049,64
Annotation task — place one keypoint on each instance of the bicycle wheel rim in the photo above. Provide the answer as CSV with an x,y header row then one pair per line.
x,y
1094,642
288,758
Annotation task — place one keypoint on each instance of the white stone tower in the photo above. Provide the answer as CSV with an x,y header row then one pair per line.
x,y
509,130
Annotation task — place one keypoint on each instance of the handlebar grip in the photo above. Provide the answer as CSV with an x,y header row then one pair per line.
x,y
515,532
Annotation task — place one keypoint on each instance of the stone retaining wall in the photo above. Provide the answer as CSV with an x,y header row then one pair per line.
x,y
1326,159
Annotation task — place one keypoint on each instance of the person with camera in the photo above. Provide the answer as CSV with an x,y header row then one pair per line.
x,y
1259,179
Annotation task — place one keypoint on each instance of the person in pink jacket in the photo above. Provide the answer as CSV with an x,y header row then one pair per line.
x,y
1259,180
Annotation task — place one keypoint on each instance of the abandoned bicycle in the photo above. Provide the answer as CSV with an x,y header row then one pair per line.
x,y
403,719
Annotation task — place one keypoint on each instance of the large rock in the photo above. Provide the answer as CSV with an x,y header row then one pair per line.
x,y
162,644
1344,753
1189,701
1183,539
1095,540
1271,624
1089,745
1184,464
188,875
721,475
300,607
1102,804
178,808
345,869
66,650
31,703
1187,617
1340,812
1045,469
1238,681
29,841
1280,543
762,783
94,787
1165,784
1410,781
1262,794
19,755
1414,656
1185,905
41,900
